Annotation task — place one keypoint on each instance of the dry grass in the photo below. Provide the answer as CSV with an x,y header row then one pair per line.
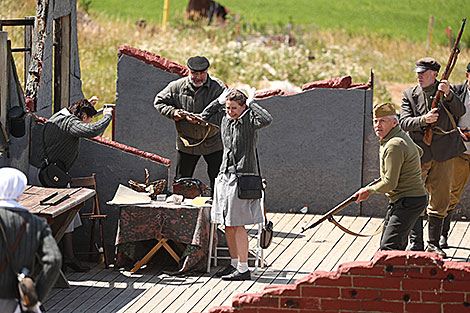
x,y
241,55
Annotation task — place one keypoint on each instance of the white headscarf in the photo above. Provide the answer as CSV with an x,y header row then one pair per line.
x,y
12,185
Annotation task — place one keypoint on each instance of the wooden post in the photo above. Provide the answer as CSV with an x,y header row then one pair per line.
x,y
430,31
166,13
3,76
61,63
28,42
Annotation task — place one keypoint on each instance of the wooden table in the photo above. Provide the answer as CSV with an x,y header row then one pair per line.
x,y
162,221
60,215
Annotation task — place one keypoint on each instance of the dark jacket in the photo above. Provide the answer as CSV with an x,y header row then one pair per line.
x,y
460,91
180,94
443,147
36,240
62,135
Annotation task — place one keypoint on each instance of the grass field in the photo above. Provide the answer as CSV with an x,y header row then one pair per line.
x,y
397,19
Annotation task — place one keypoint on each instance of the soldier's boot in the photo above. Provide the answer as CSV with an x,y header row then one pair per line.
x,y
434,233
416,236
445,230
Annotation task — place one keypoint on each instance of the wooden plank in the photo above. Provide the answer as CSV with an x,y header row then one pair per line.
x,y
65,61
454,253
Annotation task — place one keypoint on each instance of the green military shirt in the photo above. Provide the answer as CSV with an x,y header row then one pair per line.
x,y
400,167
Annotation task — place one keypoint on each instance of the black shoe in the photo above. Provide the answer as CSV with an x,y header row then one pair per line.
x,y
226,271
75,265
238,276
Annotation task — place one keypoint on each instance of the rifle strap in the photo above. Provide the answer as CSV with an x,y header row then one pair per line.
x,y
186,142
452,121
347,231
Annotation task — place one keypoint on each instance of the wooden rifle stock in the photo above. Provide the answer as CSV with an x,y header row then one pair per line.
x,y
197,118
338,208
449,67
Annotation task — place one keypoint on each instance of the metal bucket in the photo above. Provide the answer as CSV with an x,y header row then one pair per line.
x,y
16,121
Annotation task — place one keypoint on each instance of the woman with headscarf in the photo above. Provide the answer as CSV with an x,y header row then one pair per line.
x,y
35,240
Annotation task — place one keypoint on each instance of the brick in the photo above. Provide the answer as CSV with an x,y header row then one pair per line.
x,y
327,304
284,290
382,306
424,307
343,281
429,296
278,311
424,258
453,297
400,295
224,309
358,293
429,272
376,282
245,310
402,271
421,284
456,285
255,299
322,292
300,303
460,308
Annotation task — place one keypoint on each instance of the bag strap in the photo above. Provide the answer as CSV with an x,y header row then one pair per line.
x,y
46,158
15,244
348,231
186,142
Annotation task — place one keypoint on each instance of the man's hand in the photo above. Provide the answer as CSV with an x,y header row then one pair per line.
x,y
463,133
177,116
93,100
191,119
362,195
444,86
431,116
251,96
108,110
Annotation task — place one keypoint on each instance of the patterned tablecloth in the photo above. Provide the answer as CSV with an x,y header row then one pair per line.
x,y
185,224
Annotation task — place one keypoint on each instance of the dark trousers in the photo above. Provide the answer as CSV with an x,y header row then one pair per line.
x,y
186,163
400,218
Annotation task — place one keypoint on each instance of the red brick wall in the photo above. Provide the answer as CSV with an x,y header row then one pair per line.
x,y
394,281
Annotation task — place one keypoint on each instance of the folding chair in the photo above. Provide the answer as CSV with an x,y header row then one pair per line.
x,y
93,216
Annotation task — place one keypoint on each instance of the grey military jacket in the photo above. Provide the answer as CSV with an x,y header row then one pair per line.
x,y
239,136
180,94
443,147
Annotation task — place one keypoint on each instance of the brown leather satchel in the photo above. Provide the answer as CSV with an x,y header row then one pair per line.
x,y
190,188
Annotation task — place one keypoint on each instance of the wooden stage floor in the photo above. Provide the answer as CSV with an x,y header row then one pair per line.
x,y
291,256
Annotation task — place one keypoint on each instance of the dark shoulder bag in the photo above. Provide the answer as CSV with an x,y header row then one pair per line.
x,y
53,174
250,186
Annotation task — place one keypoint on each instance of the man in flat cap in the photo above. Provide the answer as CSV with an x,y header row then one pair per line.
x,y
461,163
437,160
400,173
192,94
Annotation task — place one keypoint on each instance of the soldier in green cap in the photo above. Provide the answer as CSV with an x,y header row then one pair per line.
x,y
437,161
400,173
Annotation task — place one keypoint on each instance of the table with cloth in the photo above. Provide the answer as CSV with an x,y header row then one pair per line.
x,y
184,224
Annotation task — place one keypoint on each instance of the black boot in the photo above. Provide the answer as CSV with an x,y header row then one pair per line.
x,y
434,233
445,230
416,236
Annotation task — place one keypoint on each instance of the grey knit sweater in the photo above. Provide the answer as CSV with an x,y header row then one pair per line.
x,y
36,240
63,132
239,136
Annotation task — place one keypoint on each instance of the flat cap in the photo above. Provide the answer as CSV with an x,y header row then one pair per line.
x,y
384,109
424,64
198,64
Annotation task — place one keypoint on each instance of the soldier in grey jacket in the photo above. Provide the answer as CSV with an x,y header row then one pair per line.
x,y
193,94
36,250
239,121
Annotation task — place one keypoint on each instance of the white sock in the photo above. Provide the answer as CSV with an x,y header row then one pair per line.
x,y
242,267
234,262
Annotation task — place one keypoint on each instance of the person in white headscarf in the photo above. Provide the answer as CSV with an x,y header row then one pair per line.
x,y
36,250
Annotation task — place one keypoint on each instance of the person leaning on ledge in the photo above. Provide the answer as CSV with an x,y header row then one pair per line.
x,y
400,173
193,94
437,160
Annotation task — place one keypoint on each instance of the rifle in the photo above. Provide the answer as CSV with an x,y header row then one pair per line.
x,y
338,208
449,67
196,117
